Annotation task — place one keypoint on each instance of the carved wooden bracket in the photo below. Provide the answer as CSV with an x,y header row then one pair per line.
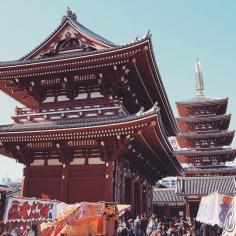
x,y
114,149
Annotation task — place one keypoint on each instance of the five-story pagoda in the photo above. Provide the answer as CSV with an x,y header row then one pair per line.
x,y
96,120
204,141
204,137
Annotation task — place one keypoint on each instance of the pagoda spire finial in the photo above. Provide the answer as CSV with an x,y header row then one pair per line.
x,y
199,78
70,14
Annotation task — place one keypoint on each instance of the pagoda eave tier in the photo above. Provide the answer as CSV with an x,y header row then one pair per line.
x,y
188,156
135,77
141,139
202,105
203,139
211,171
218,122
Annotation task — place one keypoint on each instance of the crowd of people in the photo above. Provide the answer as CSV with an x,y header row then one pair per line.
x,y
151,225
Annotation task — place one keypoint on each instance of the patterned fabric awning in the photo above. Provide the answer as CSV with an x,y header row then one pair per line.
x,y
166,197
201,186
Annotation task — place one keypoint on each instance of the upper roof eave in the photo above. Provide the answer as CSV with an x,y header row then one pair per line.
x,y
8,68
65,57
167,103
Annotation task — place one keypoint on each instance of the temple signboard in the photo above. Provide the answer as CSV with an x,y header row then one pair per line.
x,y
29,210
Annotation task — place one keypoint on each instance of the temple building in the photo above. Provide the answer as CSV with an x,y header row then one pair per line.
x,y
95,122
203,149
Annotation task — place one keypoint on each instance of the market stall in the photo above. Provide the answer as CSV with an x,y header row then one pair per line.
x,y
213,209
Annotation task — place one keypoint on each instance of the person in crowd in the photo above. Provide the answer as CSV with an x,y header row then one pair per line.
x,y
131,231
122,230
167,226
204,230
144,223
151,227
171,230
137,227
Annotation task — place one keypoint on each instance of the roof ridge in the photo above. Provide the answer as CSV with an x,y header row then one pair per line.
x,y
72,19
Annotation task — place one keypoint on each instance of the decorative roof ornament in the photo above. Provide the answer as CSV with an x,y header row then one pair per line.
x,y
140,112
148,34
69,14
199,78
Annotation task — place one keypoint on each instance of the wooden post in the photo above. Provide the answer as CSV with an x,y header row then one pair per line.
x,y
144,198
166,210
187,208
64,182
25,189
132,193
140,201
109,181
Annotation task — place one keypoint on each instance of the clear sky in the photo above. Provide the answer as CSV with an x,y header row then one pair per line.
x,y
182,30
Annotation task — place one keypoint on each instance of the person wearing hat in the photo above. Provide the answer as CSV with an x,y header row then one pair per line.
x,y
131,231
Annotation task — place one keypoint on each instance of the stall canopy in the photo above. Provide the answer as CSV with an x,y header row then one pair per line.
x,y
213,209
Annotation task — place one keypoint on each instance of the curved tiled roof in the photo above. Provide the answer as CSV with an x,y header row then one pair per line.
x,y
165,196
195,135
91,34
71,55
201,186
204,118
80,28
210,169
72,123
202,152
203,100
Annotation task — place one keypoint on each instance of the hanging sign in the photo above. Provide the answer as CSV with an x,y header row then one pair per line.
x,y
230,221
29,210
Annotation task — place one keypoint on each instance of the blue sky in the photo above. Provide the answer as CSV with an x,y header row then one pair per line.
x,y
182,30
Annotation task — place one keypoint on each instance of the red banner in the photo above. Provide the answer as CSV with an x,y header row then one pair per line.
x,y
29,210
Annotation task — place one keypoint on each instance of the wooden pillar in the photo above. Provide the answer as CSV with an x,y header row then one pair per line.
x,y
122,190
109,181
140,202
149,198
138,197
25,189
132,194
166,211
144,198
187,208
64,182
